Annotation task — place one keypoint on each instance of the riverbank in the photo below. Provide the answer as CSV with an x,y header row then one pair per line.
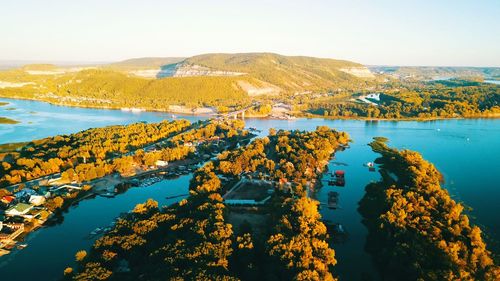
x,y
201,111
487,116
211,112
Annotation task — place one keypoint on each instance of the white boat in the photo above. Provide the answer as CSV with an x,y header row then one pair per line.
x,y
96,231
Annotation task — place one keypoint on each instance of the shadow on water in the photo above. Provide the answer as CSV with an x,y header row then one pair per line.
x,y
167,70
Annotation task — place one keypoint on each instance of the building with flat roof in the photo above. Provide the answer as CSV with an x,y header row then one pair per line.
x,y
19,209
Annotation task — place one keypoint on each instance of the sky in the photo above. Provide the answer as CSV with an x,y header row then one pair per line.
x,y
376,32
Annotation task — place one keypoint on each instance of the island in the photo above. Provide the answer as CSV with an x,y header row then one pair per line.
x,y
5,120
416,230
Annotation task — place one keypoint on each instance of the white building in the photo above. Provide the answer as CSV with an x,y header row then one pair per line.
x,y
161,163
37,200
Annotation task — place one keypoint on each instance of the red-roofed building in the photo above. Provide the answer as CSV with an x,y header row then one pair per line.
x,y
7,199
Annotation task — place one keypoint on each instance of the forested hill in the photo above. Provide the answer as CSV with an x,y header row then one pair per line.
x,y
290,73
267,73
229,80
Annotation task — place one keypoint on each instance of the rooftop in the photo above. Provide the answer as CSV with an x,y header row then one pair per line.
x,y
20,208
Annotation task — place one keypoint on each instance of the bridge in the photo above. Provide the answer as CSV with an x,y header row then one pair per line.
x,y
241,112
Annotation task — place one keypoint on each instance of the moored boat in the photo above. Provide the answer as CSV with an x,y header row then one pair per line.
x,y
333,199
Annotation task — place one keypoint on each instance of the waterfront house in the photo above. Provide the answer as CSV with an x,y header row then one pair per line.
x,y
34,213
7,199
10,231
24,194
19,209
36,200
161,163
43,191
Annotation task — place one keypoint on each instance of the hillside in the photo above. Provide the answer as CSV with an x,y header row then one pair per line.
x,y
266,73
113,89
289,74
437,72
210,80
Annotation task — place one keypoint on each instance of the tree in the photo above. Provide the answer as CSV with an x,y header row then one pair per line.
x,y
80,255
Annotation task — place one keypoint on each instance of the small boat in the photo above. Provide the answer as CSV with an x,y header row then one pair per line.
x,y
370,165
96,231
333,200
338,229
108,194
176,196
337,232
22,246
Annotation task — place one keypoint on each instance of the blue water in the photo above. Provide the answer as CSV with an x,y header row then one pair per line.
x,y
51,249
40,119
467,152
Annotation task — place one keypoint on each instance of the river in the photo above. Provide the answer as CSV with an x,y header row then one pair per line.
x,y
465,151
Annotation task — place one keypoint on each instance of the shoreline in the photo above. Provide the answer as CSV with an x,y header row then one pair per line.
x,y
302,116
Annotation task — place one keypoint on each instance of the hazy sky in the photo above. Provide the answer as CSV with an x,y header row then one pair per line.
x,y
424,32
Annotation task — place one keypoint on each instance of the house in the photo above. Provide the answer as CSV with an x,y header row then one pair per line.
x,y
34,213
7,199
44,191
9,232
36,200
161,163
19,209
24,194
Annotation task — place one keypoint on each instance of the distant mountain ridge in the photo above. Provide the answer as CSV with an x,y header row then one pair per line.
x,y
436,72
146,62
